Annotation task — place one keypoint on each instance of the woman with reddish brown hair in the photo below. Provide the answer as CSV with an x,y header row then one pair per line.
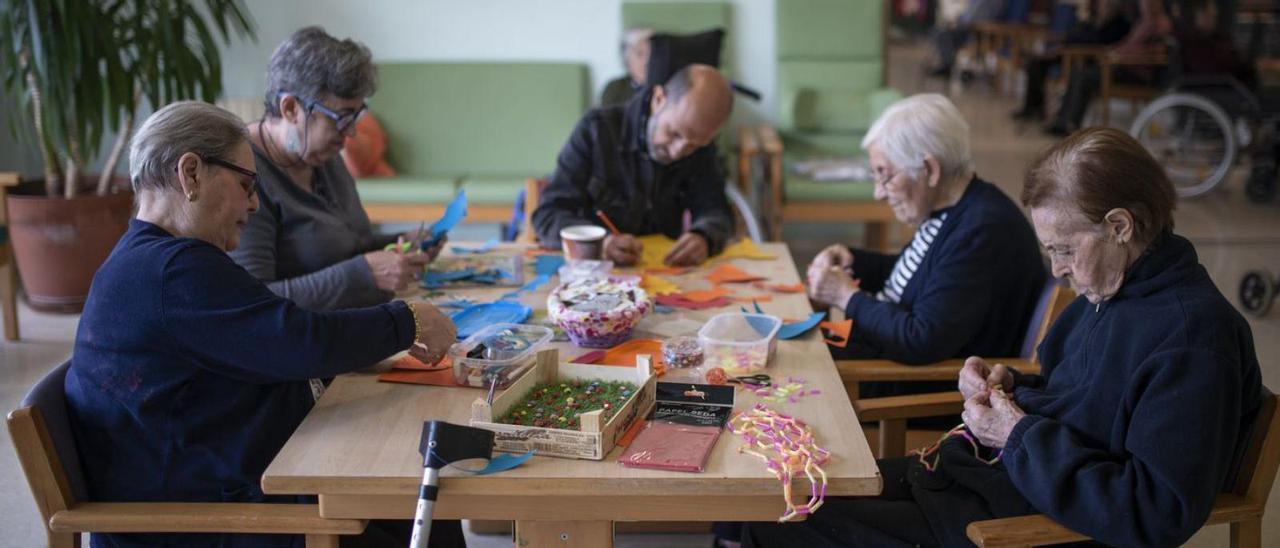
x,y
1148,381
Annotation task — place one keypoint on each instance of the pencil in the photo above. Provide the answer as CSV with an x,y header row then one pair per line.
x,y
608,223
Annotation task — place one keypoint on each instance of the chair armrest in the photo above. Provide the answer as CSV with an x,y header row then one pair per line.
x,y
748,142
939,404
769,140
196,517
1020,531
886,370
9,178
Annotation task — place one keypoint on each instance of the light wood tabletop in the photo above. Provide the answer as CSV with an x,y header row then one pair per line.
x,y
358,449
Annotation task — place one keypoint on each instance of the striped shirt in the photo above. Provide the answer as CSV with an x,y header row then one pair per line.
x,y
911,258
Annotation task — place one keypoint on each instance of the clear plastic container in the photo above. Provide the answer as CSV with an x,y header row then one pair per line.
x,y
740,343
502,351
585,268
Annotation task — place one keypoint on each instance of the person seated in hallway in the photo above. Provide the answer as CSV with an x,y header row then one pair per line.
x,y
635,57
948,41
310,240
1109,24
188,374
969,280
643,164
1149,382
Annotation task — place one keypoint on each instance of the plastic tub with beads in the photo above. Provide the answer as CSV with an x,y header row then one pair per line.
x,y
501,351
740,343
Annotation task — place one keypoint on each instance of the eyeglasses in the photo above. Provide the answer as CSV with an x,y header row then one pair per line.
x,y
251,187
341,122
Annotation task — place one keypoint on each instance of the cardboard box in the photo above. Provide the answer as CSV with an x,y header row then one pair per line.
x,y
594,440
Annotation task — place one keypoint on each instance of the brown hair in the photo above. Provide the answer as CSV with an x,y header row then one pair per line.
x,y
1100,169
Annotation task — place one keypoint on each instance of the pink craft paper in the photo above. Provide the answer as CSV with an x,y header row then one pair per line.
x,y
668,446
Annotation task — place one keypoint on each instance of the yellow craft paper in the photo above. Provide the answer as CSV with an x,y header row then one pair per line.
x,y
744,249
657,285
656,247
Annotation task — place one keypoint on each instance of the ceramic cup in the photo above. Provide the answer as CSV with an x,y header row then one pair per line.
x,y
582,242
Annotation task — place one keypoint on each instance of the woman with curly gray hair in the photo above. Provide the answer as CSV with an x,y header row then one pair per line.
x,y
311,241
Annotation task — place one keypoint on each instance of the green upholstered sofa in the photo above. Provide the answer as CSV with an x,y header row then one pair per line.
x,y
831,75
485,127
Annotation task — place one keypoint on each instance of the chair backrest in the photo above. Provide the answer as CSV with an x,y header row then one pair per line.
x,y
41,432
1261,457
1054,298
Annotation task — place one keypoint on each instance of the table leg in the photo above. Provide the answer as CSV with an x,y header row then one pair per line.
x,y
584,534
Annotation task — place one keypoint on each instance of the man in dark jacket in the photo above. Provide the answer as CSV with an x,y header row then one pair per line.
x,y
644,164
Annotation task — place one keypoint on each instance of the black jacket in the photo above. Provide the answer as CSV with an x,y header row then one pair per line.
x,y
606,166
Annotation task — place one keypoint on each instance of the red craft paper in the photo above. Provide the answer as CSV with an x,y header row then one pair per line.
x,y
727,273
679,301
668,446
841,329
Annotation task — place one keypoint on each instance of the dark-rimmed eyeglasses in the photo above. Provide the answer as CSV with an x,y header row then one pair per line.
x,y
341,122
250,187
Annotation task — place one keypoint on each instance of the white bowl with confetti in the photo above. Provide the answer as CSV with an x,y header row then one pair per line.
x,y
739,342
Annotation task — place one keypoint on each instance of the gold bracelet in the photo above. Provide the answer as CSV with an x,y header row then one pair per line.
x,y
417,327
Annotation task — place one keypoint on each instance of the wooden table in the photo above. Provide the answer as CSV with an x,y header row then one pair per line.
x,y
358,451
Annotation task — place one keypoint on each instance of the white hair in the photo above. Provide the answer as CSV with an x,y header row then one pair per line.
x,y
919,126
633,36
179,128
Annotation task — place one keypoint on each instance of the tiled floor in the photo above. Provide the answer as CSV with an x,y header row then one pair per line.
x,y
1232,235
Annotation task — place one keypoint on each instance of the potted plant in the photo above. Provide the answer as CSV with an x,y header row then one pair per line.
x,y
80,67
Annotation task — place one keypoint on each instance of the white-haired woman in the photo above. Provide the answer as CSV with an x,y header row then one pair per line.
x,y
311,240
188,374
968,281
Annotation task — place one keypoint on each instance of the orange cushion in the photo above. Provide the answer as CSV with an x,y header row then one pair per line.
x,y
365,152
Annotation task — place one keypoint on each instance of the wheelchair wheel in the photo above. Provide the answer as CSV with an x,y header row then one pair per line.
x,y
1257,292
1191,137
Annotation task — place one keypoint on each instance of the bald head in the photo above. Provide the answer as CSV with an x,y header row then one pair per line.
x,y
687,111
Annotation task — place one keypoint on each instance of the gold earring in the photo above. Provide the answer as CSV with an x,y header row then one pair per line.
x,y
191,196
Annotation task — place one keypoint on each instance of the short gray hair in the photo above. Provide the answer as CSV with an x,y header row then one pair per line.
x,y
182,127
311,64
633,36
923,125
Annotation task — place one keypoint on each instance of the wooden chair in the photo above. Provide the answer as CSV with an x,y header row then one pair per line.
x,y
1074,58
8,268
1242,507
892,412
46,449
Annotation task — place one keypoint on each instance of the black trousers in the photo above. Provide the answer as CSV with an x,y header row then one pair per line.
x,y
892,519
387,533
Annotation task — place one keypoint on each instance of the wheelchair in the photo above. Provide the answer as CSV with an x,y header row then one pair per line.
x,y
1204,124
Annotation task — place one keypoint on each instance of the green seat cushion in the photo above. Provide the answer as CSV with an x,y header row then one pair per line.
x,y
802,189
407,189
849,111
493,189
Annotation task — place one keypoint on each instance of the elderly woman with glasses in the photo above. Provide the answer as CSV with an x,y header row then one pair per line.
x,y
968,282
311,240
1149,383
189,374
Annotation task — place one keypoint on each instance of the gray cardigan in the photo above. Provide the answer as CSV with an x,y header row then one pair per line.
x,y
308,246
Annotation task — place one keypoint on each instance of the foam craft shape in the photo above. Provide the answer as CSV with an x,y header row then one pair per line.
x,y
727,273
498,463
706,294
624,355
657,246
474,318
657,285
795,329
454,214
548,264
785,288
839,329
677,301
483,248
744,249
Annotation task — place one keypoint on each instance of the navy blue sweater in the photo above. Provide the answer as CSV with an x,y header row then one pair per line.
x,y
1135,425
189,375
973,294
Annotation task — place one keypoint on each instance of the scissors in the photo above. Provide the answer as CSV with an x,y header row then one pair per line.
x,y
759,379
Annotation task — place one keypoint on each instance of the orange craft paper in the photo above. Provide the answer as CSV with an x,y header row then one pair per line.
x,y
667,270
841,329
784,288
706,294
727,273
753,299
624,355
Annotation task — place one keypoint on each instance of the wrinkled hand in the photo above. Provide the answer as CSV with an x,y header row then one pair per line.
x,y
976,376
436,333
690,250
622,249
393,271
831,286
991,416
833,255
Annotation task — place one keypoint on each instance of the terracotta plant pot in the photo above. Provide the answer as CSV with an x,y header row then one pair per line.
x,y
59,243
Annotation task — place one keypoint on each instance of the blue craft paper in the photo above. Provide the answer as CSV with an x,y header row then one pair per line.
x,y
474,318
432,279
483,248
533,285
500,463
793,330
547,264
454,214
